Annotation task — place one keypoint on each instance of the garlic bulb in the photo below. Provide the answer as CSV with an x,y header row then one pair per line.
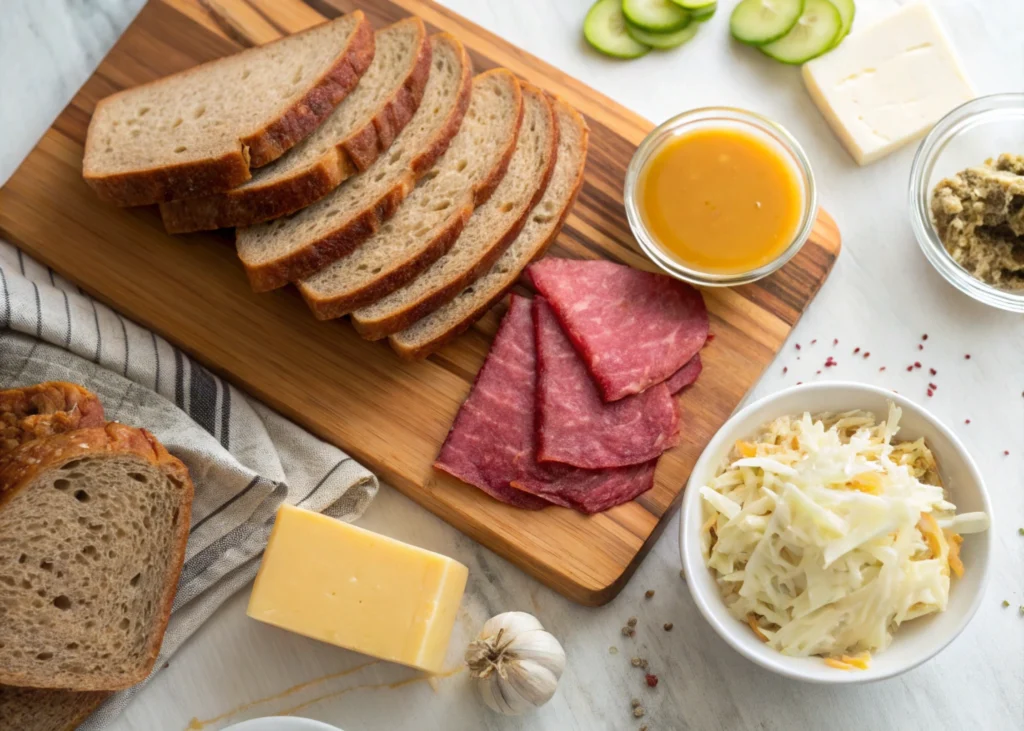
x,y
515,662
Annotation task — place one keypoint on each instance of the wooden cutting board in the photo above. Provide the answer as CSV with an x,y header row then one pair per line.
x,y
390,415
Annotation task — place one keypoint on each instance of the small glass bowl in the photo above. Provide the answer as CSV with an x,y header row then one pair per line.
x,y
967,136
729,118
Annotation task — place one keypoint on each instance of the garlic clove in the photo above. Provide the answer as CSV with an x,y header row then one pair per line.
x,y
512,623
541,648
532,683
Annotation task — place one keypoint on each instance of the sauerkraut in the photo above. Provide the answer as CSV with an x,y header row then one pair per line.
x,y
825,535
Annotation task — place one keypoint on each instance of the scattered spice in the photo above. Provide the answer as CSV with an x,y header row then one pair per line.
x,y
798,346
1006,452
682,574
967,421
638,712
1005,603
648,594
1022,610
652,679
932,386
799,383
910,368
668,625
881,369
785,370
920,347
638,662
835,342
932,372
613,650
917,364
867,354
814,341
1020,532
925,336
643,728
830,362
631,622
856,350
817,373
930,393
634,703
628,631
967,356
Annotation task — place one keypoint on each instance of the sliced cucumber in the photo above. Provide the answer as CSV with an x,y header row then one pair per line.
x,y
704,14
657,16
757,22
605,29
694,4
814,33
662,41
846,10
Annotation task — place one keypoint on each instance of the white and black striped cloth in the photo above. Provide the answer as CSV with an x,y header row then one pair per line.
x,y
244,458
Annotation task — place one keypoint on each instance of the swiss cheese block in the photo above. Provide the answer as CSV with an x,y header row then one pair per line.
x,y
359,590
888,84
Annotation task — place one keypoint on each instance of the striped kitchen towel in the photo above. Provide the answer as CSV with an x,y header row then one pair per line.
x,y
244,458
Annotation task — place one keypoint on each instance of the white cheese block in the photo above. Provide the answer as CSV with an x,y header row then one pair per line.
x,y
886,85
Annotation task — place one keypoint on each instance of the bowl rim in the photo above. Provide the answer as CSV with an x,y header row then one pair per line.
x,y
679,124
955,122
718,617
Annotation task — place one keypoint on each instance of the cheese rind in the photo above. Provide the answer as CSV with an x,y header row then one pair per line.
x,y
337,583
888,84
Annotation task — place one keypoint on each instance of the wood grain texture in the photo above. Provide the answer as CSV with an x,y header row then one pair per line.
x,y
390,415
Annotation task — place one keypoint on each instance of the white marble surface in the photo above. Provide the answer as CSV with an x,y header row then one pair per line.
x,y
881,297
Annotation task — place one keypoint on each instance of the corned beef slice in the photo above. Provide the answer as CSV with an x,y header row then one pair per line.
x,y
491,443
685,376
574,426
632,328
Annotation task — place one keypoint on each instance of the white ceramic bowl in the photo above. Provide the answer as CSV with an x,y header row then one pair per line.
x,y
282,723
915,641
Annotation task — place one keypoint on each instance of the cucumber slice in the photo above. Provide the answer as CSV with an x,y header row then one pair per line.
x,y
657,16
695,4
605,29
662,41
757,22
814,33
846,10
704,14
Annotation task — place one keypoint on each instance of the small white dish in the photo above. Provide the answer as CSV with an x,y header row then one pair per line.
x,y
282,723
915,641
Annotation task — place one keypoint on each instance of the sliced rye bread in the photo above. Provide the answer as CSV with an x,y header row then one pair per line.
x,y
47,408
543,224
35,709
360,128
433,215
489,231
200,131
288,249
93,526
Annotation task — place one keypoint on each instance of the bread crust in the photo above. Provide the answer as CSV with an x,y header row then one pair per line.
x,y
252,204
425,349
36,709
400,319
328,308
343,240
19,467
163,183
46,408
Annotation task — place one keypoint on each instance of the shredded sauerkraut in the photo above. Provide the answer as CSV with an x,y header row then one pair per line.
x,y
825,536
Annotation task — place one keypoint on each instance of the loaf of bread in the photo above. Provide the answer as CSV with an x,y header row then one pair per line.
x,y
427,223
93,526
200,131
44,409
542,226
487,234
362,126
291,248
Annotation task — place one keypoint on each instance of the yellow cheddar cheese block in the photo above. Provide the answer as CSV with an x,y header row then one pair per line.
x,y
359,590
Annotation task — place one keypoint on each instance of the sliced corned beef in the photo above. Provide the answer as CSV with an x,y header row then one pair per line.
x,y
632,328
494,429
574,426
492,442
686,375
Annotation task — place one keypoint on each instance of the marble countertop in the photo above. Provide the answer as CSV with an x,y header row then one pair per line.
x,y
882,297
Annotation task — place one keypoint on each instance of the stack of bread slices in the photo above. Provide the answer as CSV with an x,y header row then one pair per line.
x,y
370,169
94,517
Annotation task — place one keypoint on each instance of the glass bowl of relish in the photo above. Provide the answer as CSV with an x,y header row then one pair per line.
x,y
720,196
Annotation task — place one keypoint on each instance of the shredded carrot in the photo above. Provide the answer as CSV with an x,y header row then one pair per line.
x,y
869,482
837,664
709,524
860,661
932,535
752,621
746,449
957,566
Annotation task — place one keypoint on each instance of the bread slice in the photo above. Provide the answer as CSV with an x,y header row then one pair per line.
x,y
288,249
200,131
47,408
542,226
487,234
93,525
34,709
432,217
350,139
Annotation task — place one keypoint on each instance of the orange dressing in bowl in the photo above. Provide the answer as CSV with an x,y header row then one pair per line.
x,y
720,200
